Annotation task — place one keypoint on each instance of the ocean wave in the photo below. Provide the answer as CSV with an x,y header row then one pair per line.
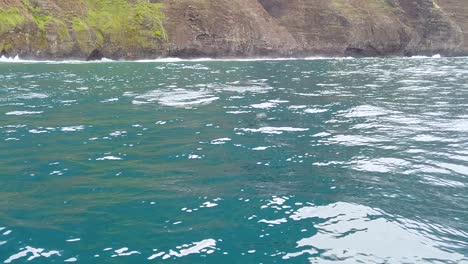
x,y
17,59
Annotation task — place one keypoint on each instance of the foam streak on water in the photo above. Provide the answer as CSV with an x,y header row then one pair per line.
x,y
234,161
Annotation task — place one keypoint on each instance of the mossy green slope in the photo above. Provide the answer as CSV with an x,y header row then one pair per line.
x,y
125,24
10,18
112,25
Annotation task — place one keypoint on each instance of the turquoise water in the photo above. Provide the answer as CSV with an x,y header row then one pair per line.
x,y
292,161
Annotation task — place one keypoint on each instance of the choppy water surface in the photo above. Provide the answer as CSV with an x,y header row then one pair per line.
x,y
321,161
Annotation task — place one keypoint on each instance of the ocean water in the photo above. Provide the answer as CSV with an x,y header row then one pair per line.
x,y
281,161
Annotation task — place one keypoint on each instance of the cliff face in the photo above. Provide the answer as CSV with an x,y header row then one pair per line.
x,y
458,11
74,28
184,28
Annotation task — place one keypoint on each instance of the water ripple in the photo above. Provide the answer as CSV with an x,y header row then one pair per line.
x,y
320,161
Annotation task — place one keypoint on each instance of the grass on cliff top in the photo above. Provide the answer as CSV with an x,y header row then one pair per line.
x,y
10,18
124,23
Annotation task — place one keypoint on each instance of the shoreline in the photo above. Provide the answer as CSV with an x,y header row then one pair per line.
x,y
17,59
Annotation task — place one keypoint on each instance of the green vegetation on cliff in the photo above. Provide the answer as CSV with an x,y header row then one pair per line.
x,y
118,24
119,21
9,19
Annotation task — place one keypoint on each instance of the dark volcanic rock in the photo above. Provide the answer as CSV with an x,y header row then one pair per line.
x,y
95,55
458,11
306,28
3,53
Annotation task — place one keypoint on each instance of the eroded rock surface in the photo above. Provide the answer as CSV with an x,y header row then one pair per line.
x,y
232,28
458,11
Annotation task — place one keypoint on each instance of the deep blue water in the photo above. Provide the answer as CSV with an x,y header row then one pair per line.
x,y
291,161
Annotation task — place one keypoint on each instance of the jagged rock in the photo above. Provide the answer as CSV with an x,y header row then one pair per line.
x,y
95,55
3,53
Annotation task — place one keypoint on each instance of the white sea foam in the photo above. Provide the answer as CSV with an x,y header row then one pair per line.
x,y
322,134
124,252
17,59
274,222
209,204
273,130
237,112
109,100
268,104
435,56
36,131
260,148
252,87
219,141
177,97
461,169
275,203
240,59
72,128
196,248
354,140
33,96
382,165
314,110
294,107
109,158
156,255
117,133
34,252
265,105
308,94
429,138
366,111
11,59
20,113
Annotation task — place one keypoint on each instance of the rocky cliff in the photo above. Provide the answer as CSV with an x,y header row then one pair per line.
x,y
226,28
458,11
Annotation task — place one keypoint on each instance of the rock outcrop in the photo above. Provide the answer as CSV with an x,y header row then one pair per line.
x,y
95,55
232,28
458,11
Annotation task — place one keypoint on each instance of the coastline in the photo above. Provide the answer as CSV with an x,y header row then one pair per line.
x,y
190,29
18,59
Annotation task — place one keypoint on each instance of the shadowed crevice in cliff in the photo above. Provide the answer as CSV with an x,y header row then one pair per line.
x,y
369,50
275,8
95,55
